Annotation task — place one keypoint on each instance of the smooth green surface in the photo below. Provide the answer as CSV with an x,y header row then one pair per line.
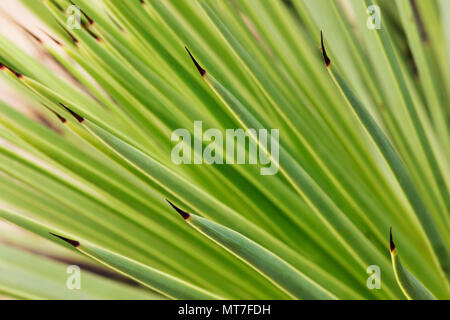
x,y
158,281
411,287
274,268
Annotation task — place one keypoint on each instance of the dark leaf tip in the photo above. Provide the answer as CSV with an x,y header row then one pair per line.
x,y
31,34
90,21
62,119
391,241
199,68
74,40
182,213
51,37
5,67
324,52
79,118
69,241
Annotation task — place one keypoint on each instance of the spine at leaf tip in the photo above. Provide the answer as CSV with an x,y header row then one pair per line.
x,y
73,243
35,37
4,67
182,213
324,52
391,241
61,118
79,118
90,21
199,68
51,37
74,40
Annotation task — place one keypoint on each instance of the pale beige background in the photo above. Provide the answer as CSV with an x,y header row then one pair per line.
x,y
12,15
12,12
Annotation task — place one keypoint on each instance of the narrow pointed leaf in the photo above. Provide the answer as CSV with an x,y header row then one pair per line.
x,y
161,282
273,267
412,288
391,156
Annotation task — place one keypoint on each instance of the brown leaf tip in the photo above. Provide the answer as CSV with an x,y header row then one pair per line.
x,y
5,67
324,52
79,118
51,37
391,241
74,40
31,34
182,213
90,21
199,68
69,241
61,118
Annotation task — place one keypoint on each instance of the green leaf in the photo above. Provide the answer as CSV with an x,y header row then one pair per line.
x,y
360,151
391,156
412,288
273,267
26,275
161,282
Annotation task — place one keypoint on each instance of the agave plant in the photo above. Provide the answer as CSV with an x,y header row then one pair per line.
x,y
354,95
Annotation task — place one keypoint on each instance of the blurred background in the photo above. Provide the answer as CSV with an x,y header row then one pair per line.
x,y
12,12
15,19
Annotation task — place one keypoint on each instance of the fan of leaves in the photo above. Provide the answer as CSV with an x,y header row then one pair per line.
x,y
364,146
